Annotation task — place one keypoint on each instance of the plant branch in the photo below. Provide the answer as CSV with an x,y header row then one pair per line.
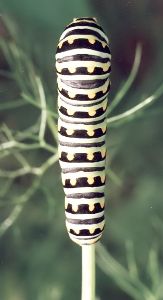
x,y
133,286
8,222
123,91
12,104
30,100
43,110
27,169
132,111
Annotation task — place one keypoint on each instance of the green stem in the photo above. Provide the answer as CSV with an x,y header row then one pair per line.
x,y
27,169
34,103
132,111
133,286
114,177
12,104
88,272
53,128
43,109
8,222
123,91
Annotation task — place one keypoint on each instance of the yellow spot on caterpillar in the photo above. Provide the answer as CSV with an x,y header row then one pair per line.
x,y
74,207
101,227
90,180
70,40
59,127
90,69
91,95
70,156
103,153
103,129
105,67
91,230
72,69
91,207
105,89
91,41
103,178
104,44
104,106
71,94
90,156
102,203
60,45
73,181
92,113
77,231
69,131
70,112
90,132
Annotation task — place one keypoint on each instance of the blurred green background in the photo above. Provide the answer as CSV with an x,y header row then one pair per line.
x,y
37,259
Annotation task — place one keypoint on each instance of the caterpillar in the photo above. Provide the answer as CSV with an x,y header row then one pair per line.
x,y
83,64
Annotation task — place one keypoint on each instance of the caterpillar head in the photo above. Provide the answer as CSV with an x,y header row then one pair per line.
x,y
87,18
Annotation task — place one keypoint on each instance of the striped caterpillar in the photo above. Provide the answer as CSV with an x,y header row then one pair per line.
x,y
83,68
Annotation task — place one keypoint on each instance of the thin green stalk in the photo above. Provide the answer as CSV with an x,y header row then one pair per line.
x,y
53,128
114,177
88,272
153,268
12,104
27,169
133,286
23,146
8,222
48,163
5,188
14,144
132,111
132,266
30,100
19,172
123,91
43,110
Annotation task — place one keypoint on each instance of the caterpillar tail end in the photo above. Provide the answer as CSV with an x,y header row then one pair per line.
x,y
85,236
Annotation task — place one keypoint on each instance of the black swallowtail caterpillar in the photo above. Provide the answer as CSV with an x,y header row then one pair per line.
x,y
83,69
